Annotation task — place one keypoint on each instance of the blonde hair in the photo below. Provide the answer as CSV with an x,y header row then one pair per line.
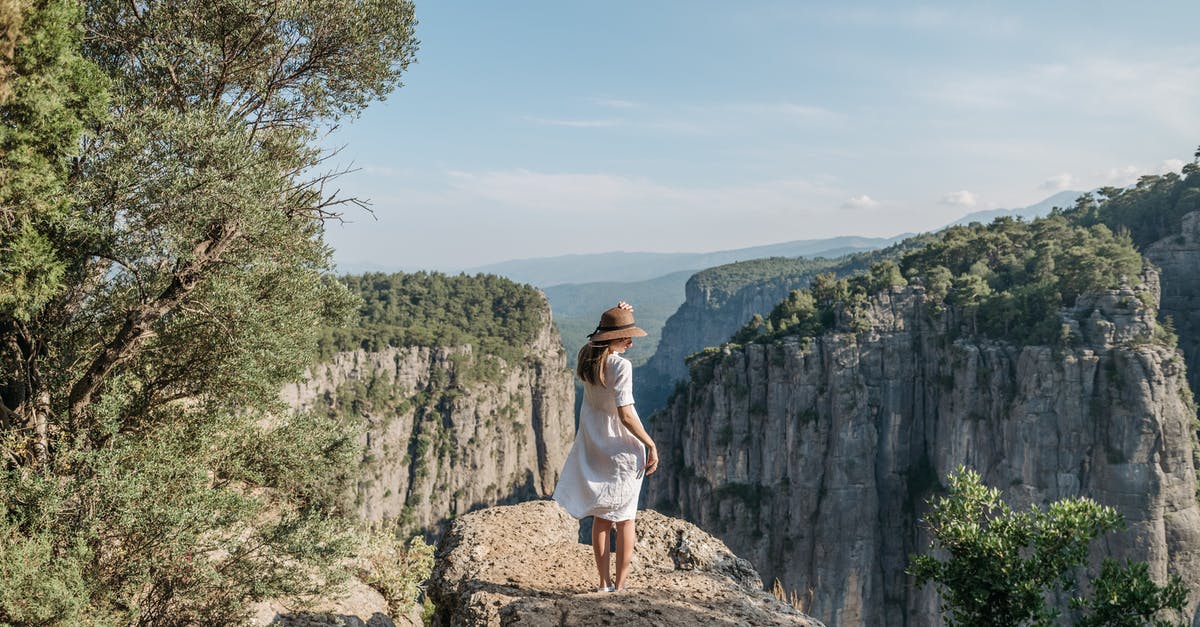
x,y
590,364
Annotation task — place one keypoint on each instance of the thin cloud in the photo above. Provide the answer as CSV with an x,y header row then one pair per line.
x,y
1163,89
1059,182
860,202
787,110
1171,165
961,198
1122,175
585,123
615,195
616,103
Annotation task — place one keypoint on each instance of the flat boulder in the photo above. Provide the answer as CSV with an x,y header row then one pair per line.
x,y
524,565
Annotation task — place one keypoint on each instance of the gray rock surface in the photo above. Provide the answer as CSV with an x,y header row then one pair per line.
x,y
815,459
456,431
1178,260
706,318
524,565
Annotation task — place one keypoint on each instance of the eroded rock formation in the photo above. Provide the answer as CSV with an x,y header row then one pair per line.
x,y
524,565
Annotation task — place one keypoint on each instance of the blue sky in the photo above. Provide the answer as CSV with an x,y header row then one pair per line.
x,y
540,128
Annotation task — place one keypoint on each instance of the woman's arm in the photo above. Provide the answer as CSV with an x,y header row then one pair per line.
x,y
630,419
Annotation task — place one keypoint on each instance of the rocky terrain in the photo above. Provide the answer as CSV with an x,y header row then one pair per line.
x,y
524,565
446,429
814,458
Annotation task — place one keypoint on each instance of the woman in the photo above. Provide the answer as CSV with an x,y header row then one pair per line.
x,y
612,451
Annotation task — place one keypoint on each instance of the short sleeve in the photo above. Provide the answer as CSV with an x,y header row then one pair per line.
x,y
622,384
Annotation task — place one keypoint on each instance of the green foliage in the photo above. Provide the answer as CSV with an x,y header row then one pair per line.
x,y
156,523
1010,281
397,571
721,282
491,313
53,94
1126,596
1001,564
158,189
1149,211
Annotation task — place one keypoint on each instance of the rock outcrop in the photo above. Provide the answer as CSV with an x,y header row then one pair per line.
x,y
447,429
524,565
815,458
710,313
1178,260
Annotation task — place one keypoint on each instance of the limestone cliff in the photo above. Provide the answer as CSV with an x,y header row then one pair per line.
x,y
449,429
715,306
814,458
1178,259
524,565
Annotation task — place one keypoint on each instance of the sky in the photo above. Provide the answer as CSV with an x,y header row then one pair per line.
x,y
544,128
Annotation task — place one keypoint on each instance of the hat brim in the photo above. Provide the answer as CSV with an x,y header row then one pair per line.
x,y
612,335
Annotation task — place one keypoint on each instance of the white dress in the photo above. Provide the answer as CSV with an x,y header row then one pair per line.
x,y
603,472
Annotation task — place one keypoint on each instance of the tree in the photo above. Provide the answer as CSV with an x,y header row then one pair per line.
x,y
164,274
999,564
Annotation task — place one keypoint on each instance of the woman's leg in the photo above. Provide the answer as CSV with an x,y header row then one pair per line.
x,y
626,538
600,529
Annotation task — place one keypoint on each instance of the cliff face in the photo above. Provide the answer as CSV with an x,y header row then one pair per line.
x,y
815,458
1178,259
447,430
707,317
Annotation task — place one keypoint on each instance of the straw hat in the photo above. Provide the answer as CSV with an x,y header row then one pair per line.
x,y
615,323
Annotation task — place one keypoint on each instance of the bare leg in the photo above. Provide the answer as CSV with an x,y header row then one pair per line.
x,y
600,529
626,538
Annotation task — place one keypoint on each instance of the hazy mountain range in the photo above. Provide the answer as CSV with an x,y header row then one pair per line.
x,y
635,266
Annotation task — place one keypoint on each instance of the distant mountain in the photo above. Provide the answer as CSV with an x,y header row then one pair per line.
x,y
1065,199
630,267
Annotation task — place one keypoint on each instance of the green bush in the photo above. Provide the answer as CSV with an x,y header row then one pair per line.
x,y
999,565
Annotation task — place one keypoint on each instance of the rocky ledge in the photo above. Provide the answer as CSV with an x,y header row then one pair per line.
x,y
524,565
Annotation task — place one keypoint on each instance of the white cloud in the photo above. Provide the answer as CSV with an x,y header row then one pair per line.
x,y
1059,182
1171,165
616,103
785,110
860,202
961,198
594,123
1122,175
1162,89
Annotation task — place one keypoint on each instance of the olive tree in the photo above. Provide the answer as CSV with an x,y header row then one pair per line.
x,y
165,274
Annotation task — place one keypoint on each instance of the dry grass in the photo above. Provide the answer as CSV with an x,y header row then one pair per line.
x,y
791,597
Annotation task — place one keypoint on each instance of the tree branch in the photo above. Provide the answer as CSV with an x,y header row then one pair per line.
x,y
138,322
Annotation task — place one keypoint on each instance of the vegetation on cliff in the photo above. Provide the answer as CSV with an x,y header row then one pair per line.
x,y
1008,280
1149,210
491,313
995,567
163,274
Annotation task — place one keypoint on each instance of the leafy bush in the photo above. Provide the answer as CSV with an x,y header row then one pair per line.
x,y
397,571
1001,564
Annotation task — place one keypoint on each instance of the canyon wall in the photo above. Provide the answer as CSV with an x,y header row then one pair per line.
x,y
815,458
446,430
